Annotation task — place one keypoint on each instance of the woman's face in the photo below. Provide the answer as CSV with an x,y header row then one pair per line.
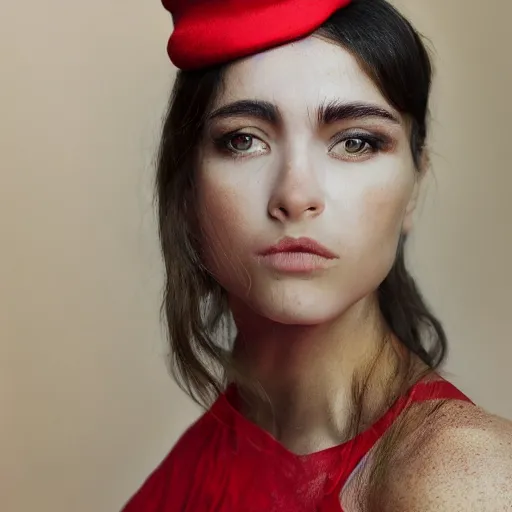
x,y
300,143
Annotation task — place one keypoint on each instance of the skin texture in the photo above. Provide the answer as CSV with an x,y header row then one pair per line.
x,y
304,338
459,460
463,464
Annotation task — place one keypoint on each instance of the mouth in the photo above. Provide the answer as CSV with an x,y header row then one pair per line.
x,y
297,255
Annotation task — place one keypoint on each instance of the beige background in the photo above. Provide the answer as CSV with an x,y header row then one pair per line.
x,y
87,406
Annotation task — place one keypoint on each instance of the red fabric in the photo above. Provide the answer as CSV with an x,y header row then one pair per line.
x,y
226,463
209,32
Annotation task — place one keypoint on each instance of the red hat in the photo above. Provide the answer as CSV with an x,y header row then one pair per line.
x,y
209,32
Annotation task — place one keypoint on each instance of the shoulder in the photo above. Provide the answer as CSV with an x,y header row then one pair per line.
x,y
462,463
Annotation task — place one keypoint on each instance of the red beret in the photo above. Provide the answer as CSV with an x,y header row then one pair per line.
x,y
209,32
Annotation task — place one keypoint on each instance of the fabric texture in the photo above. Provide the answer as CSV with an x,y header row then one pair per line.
x,y
210,32
226,463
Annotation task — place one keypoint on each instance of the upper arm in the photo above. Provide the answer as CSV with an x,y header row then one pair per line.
x,y
463,468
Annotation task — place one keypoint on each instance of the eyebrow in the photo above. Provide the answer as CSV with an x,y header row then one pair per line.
x,y
335,111
257,109
327,113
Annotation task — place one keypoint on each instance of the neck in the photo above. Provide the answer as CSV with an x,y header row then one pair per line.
x,y
307,375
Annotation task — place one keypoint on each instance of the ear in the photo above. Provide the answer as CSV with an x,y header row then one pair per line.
x,y
420,173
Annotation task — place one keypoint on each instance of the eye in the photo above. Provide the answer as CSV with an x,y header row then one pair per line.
x,y
356,147
244,144
241,142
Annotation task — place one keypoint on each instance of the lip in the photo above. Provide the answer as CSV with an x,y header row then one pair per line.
x,y
300,245
297,255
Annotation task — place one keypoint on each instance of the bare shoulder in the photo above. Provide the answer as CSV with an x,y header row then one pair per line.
x,y
462,461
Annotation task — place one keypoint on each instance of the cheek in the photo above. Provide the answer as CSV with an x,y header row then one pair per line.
x,y
222,223
372,222
384,211
218,206
385,204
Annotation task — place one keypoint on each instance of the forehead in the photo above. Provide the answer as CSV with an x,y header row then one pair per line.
x,y
304,73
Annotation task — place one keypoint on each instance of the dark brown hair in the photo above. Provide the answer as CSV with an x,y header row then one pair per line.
x,y
391,52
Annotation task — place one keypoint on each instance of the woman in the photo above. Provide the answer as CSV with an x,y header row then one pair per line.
x,y
290,166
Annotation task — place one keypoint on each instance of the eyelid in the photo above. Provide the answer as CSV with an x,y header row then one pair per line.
x,y
365,135
221,143
226,128
226,136
254,138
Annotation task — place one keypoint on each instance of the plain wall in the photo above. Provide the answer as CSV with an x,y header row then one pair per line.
x,y
88,408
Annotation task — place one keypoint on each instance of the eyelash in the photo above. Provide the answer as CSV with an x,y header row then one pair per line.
x,y
222,144
375,144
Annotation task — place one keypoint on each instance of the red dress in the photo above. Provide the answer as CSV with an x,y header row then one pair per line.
x,y
225,463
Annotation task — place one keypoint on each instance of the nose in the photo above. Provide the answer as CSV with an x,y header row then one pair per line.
x,y
297,193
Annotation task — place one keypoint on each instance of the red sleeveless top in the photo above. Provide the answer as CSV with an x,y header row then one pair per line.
x,y
226,463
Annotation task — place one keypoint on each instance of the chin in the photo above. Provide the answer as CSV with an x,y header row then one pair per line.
x,y
297,317
300,307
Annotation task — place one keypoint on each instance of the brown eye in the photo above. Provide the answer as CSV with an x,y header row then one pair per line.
x,y
241,142
354,146
244,144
